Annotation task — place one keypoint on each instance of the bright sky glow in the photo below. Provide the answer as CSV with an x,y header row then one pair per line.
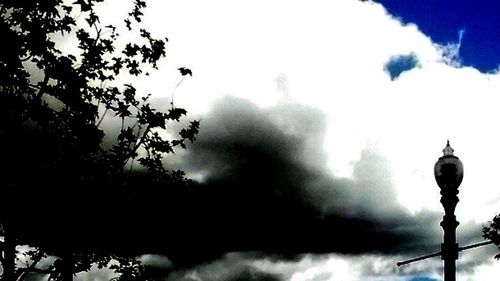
x,y
331,55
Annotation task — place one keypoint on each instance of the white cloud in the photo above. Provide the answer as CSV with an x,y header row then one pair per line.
x,y
483,272
332,54
450,52
332,269
336,267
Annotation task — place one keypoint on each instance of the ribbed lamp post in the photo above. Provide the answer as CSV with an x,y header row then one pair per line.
x,y
449,173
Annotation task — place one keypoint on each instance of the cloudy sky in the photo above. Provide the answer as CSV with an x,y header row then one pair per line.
x,y
321,122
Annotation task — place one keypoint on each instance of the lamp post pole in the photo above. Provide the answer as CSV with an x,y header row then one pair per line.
x,y
449,248
449,172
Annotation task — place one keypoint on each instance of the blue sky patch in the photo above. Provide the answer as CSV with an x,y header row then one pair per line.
x,y
422,279
441,20
399,64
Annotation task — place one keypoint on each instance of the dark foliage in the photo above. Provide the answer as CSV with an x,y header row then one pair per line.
x,y
185,71
492,232
67,193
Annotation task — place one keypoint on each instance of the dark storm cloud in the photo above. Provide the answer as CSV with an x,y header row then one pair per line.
x,y
399,64
265,187
251,274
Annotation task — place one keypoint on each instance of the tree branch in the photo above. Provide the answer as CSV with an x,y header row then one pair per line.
x,y
36,270
27,58
23,272
1,250
102,118
41,89
138,144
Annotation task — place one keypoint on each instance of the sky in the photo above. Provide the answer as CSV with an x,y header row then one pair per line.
x,y
321,122
444,20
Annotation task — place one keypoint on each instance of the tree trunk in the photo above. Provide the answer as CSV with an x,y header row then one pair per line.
x,y
67,270
9,255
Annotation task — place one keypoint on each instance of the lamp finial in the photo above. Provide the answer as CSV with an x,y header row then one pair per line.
x,y
447,151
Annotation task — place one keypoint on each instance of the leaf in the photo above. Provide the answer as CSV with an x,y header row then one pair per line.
x,y
129,95
92,19
84,6
176,113
131,50
145,34
123,110
67,9
157,120
128,24
117,65
133,67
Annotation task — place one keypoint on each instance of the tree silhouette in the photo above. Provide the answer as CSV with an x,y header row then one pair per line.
x,y
492,232
67,190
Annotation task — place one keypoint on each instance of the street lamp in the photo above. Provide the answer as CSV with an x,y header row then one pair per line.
x,y
449,173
